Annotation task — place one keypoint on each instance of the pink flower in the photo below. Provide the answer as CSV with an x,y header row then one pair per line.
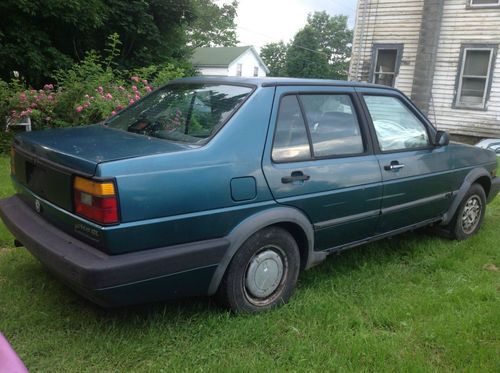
x,y
50,97
119,107
134,88
22,96
79,108
148,89
135,78
144,81
34,105
86,105
100,89
113,112
131,101
137,97
48,86
109,96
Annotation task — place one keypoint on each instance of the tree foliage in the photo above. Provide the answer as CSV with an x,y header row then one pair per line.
x,y
274,55
321,49
40,36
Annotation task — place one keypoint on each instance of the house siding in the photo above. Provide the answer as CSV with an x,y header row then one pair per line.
x,y
391,21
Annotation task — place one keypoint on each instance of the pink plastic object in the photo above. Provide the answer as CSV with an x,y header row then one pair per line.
x,y
9,361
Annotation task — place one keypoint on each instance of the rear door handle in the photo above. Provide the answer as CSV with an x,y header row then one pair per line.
x,y
394,166
295,176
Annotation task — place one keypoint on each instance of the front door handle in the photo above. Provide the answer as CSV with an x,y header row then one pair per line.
x,y
394,166
295,176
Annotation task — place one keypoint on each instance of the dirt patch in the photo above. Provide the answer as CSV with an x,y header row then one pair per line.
x,y
491,267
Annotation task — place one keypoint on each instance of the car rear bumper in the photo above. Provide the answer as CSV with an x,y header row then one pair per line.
x,y
110,280
495,188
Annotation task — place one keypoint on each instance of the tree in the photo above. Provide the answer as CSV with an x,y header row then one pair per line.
x,y
304,58
335,40
40,36
320,50
214,25
274,56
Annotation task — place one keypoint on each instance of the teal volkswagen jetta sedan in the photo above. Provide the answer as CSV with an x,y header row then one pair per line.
x,y
232,186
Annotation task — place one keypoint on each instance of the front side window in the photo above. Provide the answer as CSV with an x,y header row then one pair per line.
x,y
475,71
189,113
333,125
397,128
385,63
290,139
484,3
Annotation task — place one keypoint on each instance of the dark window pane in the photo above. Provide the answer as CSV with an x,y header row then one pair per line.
x,y
396,126
476,63
386,61
485,2
384,79
186,112
472,91
290,139
333,125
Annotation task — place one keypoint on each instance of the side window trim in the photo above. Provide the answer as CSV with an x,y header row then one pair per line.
x,y
430,130
359,112
399,47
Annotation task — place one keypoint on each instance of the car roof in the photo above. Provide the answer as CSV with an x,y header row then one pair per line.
x,y
273,82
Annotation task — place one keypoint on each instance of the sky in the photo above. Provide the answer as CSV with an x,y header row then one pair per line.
x,y
266,21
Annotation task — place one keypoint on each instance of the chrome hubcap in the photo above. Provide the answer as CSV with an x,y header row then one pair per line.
x,y
471,214
264,273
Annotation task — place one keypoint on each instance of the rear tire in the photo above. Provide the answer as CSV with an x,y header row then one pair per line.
x,y
263,272
469,215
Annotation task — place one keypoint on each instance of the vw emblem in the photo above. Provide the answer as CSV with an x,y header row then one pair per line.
x,y
38,207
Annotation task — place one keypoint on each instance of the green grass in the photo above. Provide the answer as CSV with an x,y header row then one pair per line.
x,y
413,303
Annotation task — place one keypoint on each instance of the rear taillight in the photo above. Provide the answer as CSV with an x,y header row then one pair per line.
x,y
96,200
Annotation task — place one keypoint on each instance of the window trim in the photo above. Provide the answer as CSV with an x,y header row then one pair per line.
x,y
489,77
358,111
414,110
470,5
398,47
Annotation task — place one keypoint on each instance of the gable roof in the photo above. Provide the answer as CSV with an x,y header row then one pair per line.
x,y
218,56
221,56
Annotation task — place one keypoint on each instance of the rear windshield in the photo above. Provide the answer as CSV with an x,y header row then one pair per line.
x,y
189,113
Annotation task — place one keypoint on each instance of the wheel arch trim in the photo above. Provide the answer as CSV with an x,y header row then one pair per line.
x,y
255,223
470,179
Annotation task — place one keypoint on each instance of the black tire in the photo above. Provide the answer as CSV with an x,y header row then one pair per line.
x,y
273,242
462,227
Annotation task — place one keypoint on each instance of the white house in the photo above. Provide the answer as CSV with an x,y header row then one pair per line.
x,y
229,61
441,53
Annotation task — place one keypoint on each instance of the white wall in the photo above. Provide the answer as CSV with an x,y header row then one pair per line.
x,y
221,71
248,61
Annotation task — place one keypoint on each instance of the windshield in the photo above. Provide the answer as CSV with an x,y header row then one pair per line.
x,y
189,113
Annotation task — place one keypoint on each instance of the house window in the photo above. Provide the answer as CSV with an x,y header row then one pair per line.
x,y
256,71
484,3
474,76
386,59
239,69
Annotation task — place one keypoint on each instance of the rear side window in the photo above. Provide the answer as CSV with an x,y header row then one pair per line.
x,y
333,125
396,126
290,140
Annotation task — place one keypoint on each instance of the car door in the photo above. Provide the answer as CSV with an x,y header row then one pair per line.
x,y
415,173
318,159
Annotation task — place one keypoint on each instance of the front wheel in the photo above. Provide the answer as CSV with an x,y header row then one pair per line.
x,y
263,272
470,214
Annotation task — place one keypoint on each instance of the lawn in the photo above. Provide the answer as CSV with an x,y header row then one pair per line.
x,y
414,303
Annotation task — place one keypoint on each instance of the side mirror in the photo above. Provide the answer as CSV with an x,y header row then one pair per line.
x,y
442,138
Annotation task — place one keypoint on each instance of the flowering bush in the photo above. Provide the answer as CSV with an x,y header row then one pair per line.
x,y
89,92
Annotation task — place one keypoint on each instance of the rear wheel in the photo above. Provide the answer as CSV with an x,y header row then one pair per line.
x,y
263,272
470,213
